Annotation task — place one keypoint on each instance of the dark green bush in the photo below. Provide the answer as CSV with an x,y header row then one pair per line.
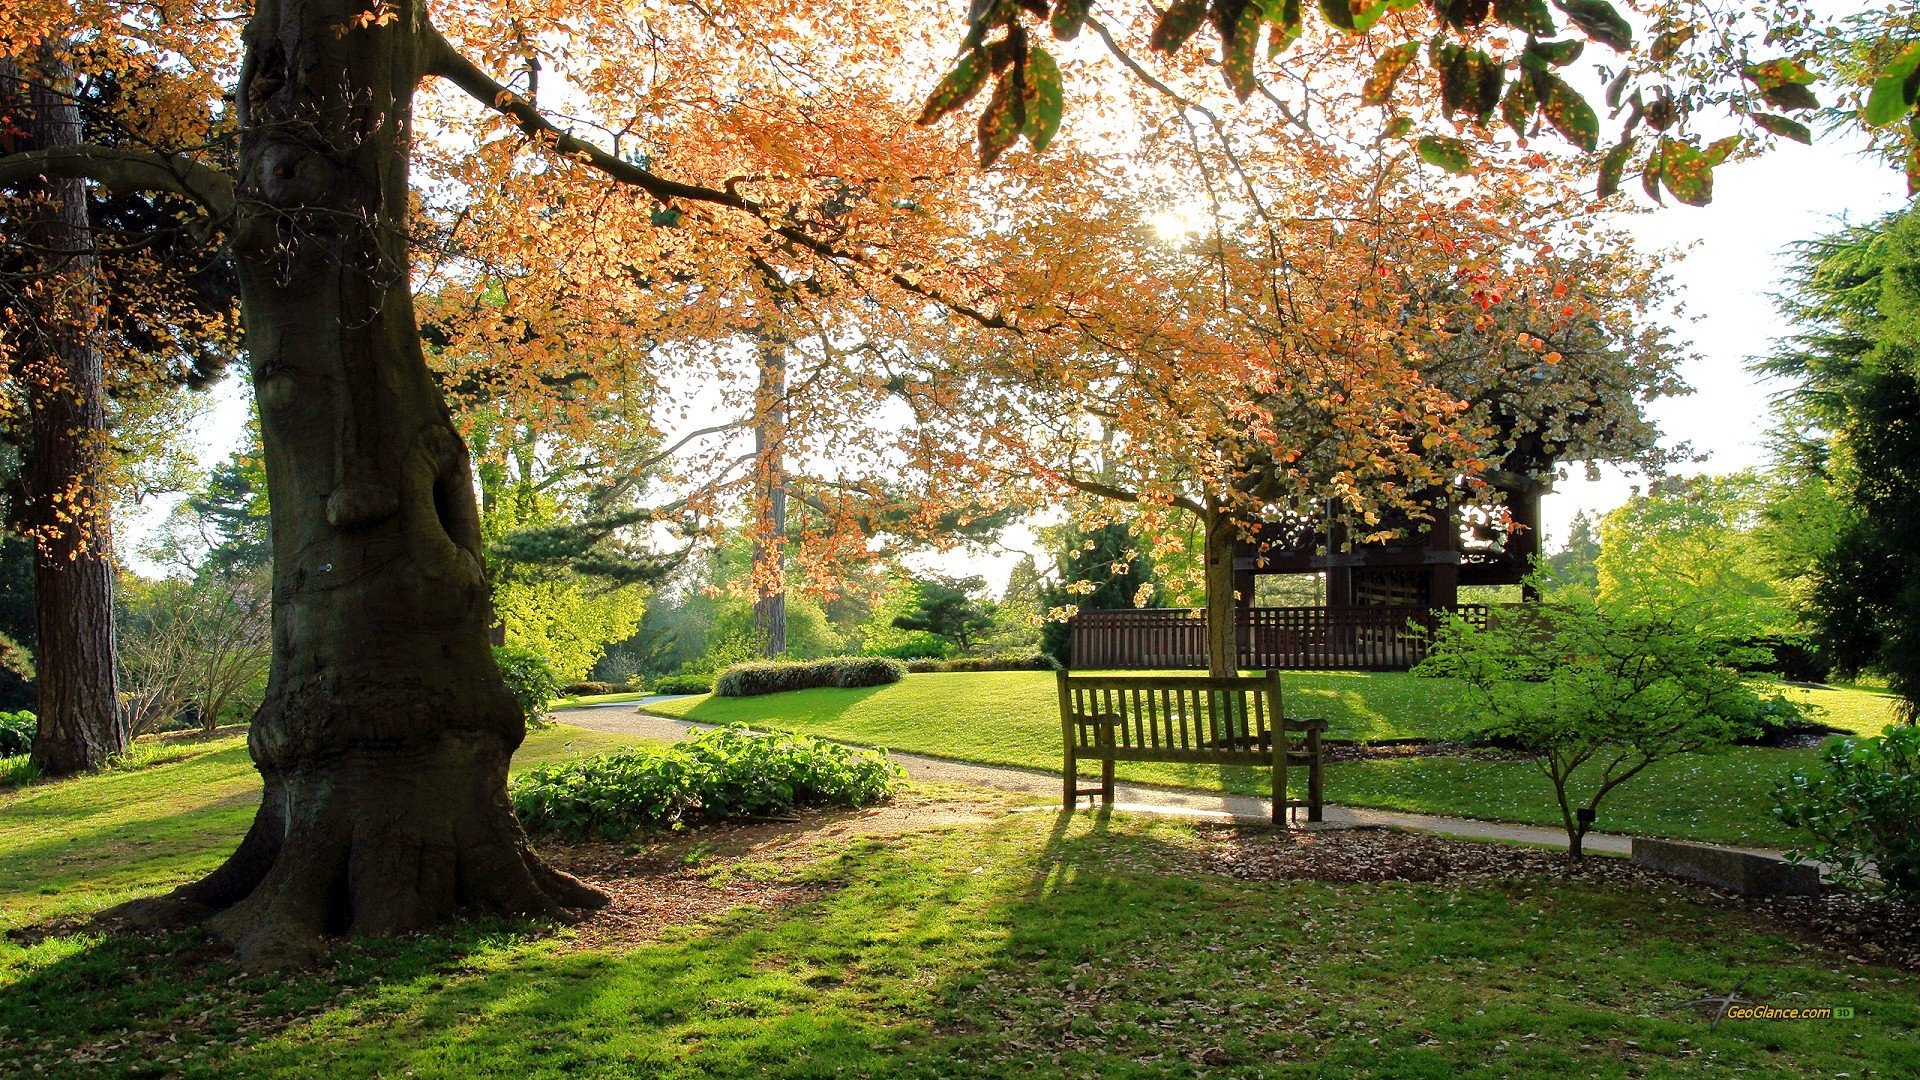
x,y
774,677
1037,661
1865,812
16,732
918,647
682,684
530,678
729,772
582,689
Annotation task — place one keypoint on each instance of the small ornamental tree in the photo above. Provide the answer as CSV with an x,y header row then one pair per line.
x,y
950,609
1596,695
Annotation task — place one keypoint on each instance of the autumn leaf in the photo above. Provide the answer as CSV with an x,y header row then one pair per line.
x,y
1667,45
1041,98
957,88
1387,71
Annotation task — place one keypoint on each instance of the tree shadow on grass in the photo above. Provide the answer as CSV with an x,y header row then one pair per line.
x,y
1030,946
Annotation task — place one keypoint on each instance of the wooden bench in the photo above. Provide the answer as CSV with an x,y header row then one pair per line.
x,y
1186,718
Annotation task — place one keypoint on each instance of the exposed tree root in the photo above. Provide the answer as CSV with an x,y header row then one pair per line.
x,y
372,844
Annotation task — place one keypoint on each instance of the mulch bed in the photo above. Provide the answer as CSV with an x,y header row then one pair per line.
x,y
1866,928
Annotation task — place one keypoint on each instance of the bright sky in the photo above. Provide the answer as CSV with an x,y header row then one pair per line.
x,y
1737,257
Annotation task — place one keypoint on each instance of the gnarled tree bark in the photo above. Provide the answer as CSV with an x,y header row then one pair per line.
x,y
386,730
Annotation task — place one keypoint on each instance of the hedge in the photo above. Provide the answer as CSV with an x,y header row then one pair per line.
x,y
729,772
774,677
682,684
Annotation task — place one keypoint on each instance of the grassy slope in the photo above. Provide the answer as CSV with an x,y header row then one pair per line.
x,y
1012,718
1020,948
80,845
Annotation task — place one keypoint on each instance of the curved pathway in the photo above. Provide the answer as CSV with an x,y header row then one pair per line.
x,y
630,718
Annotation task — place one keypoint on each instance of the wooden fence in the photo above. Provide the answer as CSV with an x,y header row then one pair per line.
x,y
1293,638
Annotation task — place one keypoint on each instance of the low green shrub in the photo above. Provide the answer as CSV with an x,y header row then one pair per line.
x,y
1037,661
919,646
16,732
1864,813
530,679
582,689
728,772
774,677
682,684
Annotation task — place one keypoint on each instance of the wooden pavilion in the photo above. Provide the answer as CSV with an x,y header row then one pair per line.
x,y
1373,590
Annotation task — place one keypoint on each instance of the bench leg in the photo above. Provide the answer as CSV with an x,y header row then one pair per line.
x,y
1072,772
1279,778
1314,777
1106,782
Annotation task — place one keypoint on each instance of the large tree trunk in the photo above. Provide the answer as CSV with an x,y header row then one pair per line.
x,y
67,510
770,481
386,730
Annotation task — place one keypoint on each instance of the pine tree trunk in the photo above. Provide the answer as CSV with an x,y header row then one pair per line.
x,y
386,730
770,478
1223,634
67,514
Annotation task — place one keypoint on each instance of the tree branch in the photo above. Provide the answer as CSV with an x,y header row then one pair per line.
x,y
122,169
446,62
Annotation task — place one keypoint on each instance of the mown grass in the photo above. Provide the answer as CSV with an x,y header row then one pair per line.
x,y
81,845
1012,718
1026,947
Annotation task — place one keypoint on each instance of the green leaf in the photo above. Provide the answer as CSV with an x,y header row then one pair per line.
x,y
1448,154
1598,20
1567,111
1365,15
957,88
1236,52
1068,17
1000,123
1893,92
1529,15
1546,54
1650,174
1338,12
1719,149
1181,19
1775,72
1287,26
1686,172
1387,71
1517,107
1613,166
1783,127
1399,127
1913,171
1790,96
1461,14
1042,99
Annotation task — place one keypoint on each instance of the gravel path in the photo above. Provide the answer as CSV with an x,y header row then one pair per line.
x,y
626,718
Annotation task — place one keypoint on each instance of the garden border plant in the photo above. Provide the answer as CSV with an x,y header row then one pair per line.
x,y
728,772
1864,813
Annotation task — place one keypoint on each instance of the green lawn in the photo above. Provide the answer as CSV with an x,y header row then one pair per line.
x,y
82,845
1012,718
1023,947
